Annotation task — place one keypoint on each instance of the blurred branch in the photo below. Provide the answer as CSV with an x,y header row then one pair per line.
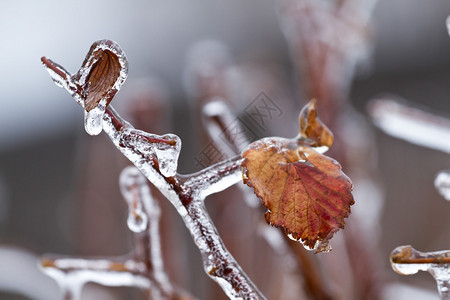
x,y
400,119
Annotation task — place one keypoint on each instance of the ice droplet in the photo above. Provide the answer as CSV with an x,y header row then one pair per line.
x,y
137,221
408,269
131,183
168,158
165,148
93,120
442,184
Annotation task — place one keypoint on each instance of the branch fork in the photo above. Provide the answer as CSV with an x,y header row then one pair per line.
x,y
156,157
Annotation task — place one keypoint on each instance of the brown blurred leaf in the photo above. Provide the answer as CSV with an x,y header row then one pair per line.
x,y
304,191
312,130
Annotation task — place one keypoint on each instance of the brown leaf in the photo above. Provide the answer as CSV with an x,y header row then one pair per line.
x,y
102,77
305,192
312,130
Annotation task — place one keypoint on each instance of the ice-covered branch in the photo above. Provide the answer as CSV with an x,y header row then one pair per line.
x,y
73,273
215,178
401,120
143,219
217,118
156,157
406,260
142,268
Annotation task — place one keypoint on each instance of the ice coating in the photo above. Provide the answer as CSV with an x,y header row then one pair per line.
x,y
442,277
165,148
167,155
406,260
73,273
217,117
442,183
219,120
215,178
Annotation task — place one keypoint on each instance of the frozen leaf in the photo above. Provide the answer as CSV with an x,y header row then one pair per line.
x,y
305,192
103,71
100,77
312,130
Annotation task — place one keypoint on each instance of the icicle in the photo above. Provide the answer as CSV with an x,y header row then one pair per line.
x,y
168,155
442,184
137,220
93,120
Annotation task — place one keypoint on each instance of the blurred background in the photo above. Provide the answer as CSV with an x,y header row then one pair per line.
x,y
50,169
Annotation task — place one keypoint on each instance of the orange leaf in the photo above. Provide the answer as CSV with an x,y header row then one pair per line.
x,y
312,130
305,192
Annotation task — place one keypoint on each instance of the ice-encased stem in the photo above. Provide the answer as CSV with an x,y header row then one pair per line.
x,y
73,273
406,260
186,193
143,207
